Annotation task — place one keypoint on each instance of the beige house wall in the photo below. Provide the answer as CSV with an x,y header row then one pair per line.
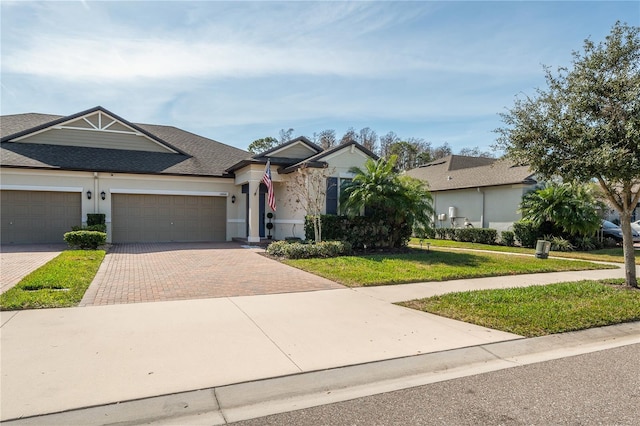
x,y
289,221
485,207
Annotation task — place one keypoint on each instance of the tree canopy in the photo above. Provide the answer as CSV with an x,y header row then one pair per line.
x,y
572,207
262,145
585,125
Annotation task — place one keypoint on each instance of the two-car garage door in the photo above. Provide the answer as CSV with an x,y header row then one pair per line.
x,y
164,218
36,217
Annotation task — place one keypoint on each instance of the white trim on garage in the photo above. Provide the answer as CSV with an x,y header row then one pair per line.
x,y
42,188
168,192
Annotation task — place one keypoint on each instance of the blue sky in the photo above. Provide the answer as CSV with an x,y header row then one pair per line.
x,y
239,71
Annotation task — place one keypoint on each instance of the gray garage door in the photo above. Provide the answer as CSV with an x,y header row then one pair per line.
x,y
29,217
164,218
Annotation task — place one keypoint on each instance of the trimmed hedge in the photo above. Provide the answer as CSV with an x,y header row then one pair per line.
x,y
85,239
96,219
508,238
526,233
295,250
99,228
469,235
359,231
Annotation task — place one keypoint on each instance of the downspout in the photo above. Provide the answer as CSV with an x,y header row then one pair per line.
x,y
482,214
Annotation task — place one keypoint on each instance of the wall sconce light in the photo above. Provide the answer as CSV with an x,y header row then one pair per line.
x,y
88,195
233,199
103,195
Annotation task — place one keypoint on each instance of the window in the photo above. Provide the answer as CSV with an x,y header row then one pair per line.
x,y
334,187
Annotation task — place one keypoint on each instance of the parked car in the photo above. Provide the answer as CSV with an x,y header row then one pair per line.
x,y
611,230
636,226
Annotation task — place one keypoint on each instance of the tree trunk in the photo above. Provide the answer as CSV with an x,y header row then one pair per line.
x,y
628,250
317,230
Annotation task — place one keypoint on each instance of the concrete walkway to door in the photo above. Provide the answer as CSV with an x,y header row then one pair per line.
x,y
154,272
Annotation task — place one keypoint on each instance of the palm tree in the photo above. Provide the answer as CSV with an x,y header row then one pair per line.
x,y
402,202
571,207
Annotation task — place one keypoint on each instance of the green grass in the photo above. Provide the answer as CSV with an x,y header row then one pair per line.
x,y
602,255
539,310
435,265
61,282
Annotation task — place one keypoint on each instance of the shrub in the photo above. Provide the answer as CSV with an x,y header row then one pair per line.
x,y
99,228
441,233
96,219
508,238
586,243
526,233
297,250
483,235
425,233
470,235
85,239
463,234
559,243
359,231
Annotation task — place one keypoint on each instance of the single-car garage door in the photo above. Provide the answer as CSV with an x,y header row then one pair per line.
x,y
36,217
164,218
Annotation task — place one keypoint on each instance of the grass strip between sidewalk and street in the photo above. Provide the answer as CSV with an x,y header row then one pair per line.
x,y
60,283
539,310
434,265
602,255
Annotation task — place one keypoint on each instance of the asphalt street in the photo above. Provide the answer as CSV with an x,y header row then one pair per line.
x,y
599,388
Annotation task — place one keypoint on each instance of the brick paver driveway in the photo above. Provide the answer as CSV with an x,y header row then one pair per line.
x,y
152,272
18,261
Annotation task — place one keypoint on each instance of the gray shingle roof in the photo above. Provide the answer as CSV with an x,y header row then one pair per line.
x,y
199,155
459,172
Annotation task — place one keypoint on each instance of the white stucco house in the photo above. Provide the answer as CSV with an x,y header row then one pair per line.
x,y
484,192
154,183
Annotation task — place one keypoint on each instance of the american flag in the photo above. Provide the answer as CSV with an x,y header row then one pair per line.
x,y
271,198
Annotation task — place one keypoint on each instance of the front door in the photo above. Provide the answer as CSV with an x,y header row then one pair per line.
x,y
261,207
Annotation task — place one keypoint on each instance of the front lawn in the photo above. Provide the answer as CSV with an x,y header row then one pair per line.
x,y
61,282
434,265
539,310
602,255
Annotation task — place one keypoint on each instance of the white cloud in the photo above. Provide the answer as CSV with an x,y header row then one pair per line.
x,y
219,40
125,59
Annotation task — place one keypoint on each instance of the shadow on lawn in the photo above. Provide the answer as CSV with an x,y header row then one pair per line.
x,y
430,257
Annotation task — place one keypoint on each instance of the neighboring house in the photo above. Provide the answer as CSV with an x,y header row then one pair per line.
x,y
154,183
483,192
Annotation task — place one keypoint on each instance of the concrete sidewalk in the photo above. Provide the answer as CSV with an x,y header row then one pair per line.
x,y
64,359
403,292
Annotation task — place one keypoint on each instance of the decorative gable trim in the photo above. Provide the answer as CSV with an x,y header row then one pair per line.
x,y
353,149
301,140
96,119
291,146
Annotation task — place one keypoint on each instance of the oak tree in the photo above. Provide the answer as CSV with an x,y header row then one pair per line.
x,y
585,126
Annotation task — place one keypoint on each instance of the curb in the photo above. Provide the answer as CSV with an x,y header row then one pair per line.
x,y
243,401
